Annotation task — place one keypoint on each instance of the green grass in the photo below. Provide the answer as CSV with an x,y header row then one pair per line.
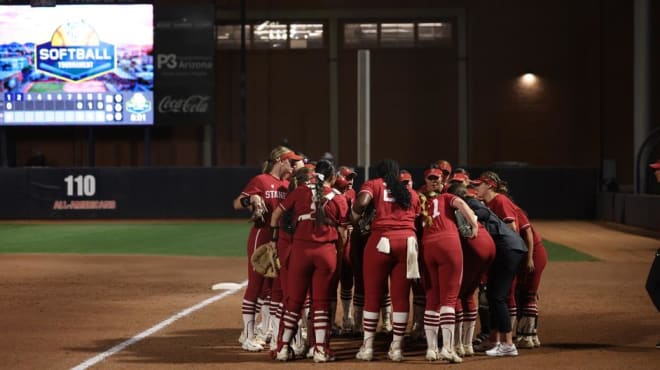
x,y
42,87
560,252
191,239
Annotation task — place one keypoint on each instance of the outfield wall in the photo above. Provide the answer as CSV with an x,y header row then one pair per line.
x,y
639,210
125,193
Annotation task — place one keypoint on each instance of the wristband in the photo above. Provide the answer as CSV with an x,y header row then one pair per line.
x,y
245,202
274,233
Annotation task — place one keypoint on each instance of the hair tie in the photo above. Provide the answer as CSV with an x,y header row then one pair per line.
x,y
320,176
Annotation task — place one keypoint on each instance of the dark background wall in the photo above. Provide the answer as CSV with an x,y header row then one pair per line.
x,y
580,114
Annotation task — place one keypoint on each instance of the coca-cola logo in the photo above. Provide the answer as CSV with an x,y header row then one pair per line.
x,y
190,104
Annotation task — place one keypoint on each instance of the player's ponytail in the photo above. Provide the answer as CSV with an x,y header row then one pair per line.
x,y
388,170
501,186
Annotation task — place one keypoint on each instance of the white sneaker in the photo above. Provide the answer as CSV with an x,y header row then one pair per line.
x,y
395,354
365,354
469,351
322,355
525,342
537,342
284,354
299,348
252,345
432,355
484,346
450,356
503,350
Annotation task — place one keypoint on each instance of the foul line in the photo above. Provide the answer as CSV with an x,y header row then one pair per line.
x,y
98,358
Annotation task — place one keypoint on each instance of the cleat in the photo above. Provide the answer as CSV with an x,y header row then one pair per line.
x,y
459,350
537,342
395,353
365,354
251,345
450,356
525,342
241,339
432,355
469,351
299,348
323,354
284,354
503,350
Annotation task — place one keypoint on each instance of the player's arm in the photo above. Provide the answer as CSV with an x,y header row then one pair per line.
x,y
361,203
529,240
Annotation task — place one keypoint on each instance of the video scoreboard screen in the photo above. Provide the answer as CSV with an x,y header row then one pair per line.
x,y
76,65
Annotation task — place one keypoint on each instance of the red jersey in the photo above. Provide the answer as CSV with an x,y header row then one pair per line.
x,y
389,215
504,208
525,224
271,189
304,210
441,211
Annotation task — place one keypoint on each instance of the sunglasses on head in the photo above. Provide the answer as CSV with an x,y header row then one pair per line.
x,y
433,178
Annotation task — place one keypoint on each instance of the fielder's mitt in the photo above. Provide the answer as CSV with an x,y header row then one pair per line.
x,y
464,227
265,260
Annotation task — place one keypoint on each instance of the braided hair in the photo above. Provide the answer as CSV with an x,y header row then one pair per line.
x,y
324,171
388,170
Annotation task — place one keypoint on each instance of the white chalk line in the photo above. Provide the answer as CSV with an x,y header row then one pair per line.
x,y
100,357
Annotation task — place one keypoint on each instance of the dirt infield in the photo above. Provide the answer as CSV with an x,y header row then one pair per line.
x,y
60,310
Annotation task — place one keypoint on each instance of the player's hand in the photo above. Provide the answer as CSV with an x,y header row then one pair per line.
x,y
530,265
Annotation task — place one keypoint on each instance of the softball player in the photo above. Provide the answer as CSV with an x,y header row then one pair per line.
x,y
391,249
262,194
443,261
478,254
510,252
529,279
321,214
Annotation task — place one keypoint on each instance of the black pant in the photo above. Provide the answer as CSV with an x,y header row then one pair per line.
x,y
500,277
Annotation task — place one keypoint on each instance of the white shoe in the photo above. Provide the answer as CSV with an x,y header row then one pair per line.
x,y
252,345
284,354
298,348
432,355
525,342
484,346
537,342
365,354
310,353
469,351
322,355
459,350
503,350
273,345
395,354
450,356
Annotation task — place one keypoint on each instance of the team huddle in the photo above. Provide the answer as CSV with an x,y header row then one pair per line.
x,y
441,243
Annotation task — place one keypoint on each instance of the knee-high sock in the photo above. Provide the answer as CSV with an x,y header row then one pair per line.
x,y
370,323
431,326
399,325
447,324
248,308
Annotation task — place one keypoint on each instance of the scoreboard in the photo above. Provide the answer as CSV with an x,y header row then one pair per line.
x,y
63,108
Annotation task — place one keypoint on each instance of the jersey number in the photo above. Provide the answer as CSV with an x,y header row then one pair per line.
x,y
436,208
